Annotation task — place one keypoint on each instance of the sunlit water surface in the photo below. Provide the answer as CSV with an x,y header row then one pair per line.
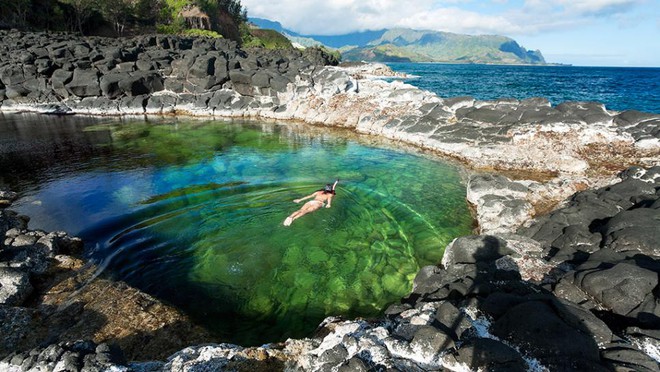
x,y
191,212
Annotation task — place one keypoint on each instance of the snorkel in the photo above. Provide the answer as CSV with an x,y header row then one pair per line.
x,y
330,189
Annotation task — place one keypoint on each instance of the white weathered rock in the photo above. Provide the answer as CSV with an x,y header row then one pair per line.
x,y
501,204
15,286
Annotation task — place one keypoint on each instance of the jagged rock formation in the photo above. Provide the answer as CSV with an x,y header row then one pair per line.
x,y
49,296
158,74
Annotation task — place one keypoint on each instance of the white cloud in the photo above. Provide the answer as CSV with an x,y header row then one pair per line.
x,y
460,21
334,17
343,16
598,7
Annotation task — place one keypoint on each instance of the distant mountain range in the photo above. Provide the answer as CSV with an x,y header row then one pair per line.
x,y
407,45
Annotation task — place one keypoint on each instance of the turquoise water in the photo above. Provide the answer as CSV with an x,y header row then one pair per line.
x,y
619,88
192,212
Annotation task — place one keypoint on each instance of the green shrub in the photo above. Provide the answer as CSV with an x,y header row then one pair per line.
x,y
269,39
205,33
174,28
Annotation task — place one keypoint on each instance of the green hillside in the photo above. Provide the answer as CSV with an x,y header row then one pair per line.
x,y
382,53
397,45
269,39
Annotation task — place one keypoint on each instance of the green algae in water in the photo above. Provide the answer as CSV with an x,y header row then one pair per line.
x,y
197,220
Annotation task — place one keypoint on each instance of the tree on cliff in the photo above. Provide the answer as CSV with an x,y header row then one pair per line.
x,y
82,9
95,16
226,16
117,12
14,13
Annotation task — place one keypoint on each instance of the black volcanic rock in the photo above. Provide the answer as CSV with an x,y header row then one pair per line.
x,y
538,325
490,354
634,230
85,83
63,67
15,286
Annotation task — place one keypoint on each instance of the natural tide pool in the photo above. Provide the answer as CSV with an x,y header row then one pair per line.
x,y
191,212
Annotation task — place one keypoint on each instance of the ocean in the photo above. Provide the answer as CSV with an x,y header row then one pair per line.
x,y
619,88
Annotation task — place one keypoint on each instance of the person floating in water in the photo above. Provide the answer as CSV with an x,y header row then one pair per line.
x,y
321,197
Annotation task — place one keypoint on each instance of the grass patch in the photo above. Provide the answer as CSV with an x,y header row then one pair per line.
x,y
269,39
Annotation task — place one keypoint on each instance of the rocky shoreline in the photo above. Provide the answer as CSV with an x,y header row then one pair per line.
x,y
507,299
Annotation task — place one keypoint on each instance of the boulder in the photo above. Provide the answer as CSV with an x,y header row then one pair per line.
x,y
140,83
15,92
428,280
66,356
490,355
620,288
109,84
181,66
577,238
161,104
85,83
261,79
11,220
202,67
145,65
429,341
96,105
473,249
354,364
15,286
451,320
221,67
636,230
16,324
241,77
6,198
59,242
24,254
623,357
133,104
541,333
59,79
221,99
334,356
12,75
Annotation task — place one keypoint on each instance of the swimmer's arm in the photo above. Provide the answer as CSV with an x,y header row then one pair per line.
x,y
330,198
329,201
306,197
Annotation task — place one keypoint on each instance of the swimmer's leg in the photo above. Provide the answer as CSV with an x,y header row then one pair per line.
x,y
289,220
299,213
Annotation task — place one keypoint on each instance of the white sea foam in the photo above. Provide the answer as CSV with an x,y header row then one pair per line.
x,y
649,346
482,325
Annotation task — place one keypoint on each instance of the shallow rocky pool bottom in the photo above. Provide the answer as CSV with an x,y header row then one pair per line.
x,y
191,212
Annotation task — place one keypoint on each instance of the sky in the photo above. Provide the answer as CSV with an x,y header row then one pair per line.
x,y
577,32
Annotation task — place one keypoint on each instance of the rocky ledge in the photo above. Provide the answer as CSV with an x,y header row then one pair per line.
x,y
541,288
50,301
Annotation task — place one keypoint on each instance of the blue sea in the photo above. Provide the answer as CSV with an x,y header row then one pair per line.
x,y
619,88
